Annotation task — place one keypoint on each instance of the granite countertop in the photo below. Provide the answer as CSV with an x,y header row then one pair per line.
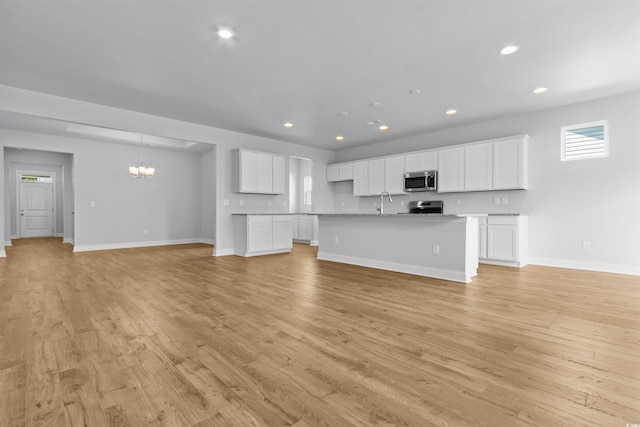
x,y
403,214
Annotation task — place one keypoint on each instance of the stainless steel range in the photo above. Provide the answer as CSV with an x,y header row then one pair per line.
x,y
426,207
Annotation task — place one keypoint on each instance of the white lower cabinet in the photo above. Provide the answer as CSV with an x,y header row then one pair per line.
x,y
503,240
262,234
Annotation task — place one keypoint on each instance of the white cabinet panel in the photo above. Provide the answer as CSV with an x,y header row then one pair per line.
x,y
478,160
264,173
260,236
247,166
504,240
282,232
333,173
421,161
451,169
502,243
346,171
360,179
376,176
278,175
394,174
510,164
260,173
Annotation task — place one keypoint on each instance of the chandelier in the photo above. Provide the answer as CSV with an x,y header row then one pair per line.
x,y
141,171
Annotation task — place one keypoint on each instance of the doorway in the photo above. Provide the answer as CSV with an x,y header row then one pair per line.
x,y
36,209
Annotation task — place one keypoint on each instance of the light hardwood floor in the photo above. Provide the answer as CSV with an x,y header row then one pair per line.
x,y
173,336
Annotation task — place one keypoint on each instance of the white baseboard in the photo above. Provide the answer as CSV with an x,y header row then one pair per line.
x,y
222,252
8,243
14,236
58,235
67,240
207,241
87,248
590,266
313,243
436,273
3,254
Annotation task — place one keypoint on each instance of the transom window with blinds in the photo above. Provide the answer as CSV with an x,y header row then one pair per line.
x,y
585,141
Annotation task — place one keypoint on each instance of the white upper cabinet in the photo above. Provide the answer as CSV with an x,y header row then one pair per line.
x,y
451,169
361,178
278,175
260,173
510,163
499,164
376,176
478,169
340,172
394,175
421,161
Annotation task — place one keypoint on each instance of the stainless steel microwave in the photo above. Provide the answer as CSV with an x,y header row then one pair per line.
x,y
420,181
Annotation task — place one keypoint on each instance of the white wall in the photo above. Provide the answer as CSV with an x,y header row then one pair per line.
x,y
167,206
208,197
40,161
596,200
43,105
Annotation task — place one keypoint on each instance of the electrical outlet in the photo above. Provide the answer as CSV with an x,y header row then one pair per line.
x,y
435,249
402,203
270,203
496,200
586,244
92,204
342,204
241,202
458,202
145,231
505,200
335,239
225,202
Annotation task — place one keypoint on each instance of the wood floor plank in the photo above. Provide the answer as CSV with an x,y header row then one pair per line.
x,y
171,336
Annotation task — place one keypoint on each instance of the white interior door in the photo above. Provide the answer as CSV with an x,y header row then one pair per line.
x,y
36,209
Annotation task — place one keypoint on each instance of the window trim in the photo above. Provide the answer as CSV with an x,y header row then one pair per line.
x,y
605,141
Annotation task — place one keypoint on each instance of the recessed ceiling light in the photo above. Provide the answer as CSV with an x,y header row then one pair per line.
x,y
540,90
375,104
384,127
344,113
373,122
451,112
415,91
339,138
225,33
288,125
509,50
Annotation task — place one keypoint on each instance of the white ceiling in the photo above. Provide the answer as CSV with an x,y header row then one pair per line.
x,y
306,61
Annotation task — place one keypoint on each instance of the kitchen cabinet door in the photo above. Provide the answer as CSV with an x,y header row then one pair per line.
x,y
346,171
264,173
451,169
259,233
277,182
247,166
502,242
376,174
510,163
478,167
282,232
360,179
333,173
394,175
421,161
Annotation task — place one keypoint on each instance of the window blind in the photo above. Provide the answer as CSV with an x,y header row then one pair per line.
x,y
584,141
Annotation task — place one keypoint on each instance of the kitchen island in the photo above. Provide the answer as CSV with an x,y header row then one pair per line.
x,y
442,246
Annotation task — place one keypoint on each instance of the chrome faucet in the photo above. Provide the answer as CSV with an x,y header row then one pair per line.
x,y
381,208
